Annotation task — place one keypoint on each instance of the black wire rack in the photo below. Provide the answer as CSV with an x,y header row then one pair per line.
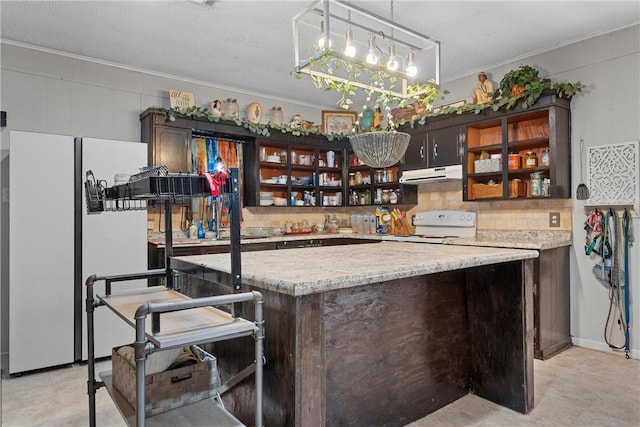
x,y
141,189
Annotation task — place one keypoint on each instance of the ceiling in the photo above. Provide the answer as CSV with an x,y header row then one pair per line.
x,y
248,45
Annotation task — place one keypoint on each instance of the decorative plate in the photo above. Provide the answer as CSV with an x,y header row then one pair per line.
x,y
254,113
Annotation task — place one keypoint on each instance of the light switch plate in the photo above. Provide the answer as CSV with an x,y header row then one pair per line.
x,y
554,219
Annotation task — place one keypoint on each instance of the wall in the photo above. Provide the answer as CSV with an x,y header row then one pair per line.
x,y
55,94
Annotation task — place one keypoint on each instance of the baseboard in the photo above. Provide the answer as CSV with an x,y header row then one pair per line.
x,y
600,346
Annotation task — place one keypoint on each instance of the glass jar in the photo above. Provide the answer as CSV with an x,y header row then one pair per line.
x,y
386,197
531,160
514,161
393,198
537,184
379,176
358,178
545,159
352,179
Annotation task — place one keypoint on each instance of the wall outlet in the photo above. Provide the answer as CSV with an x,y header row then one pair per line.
x,y
554,219
150,225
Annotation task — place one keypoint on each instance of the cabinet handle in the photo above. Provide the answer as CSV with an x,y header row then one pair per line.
x,y
435,150
422,151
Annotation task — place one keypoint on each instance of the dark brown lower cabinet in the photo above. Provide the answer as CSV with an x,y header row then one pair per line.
x,y
552,329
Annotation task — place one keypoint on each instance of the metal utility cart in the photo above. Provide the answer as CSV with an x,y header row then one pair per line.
x,y
175,319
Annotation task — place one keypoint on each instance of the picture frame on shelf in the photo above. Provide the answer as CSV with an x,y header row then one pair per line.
x,y
180,99
338,122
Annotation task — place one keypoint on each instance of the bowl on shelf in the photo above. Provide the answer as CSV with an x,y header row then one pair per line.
x,y
273,159
304,180
299,202
280,201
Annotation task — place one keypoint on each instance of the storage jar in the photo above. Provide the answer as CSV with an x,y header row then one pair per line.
x,y
531,160
545,159
514,161
537,188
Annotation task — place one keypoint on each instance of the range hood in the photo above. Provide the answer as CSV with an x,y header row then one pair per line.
x,y
439,174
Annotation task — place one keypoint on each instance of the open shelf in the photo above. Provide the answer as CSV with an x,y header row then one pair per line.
x,y
178,328
206,412
520,143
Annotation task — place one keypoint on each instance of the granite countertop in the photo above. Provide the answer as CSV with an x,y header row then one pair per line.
x,y
538,240
181,241
310,270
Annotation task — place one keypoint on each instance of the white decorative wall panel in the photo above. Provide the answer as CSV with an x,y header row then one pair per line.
x,y
613,172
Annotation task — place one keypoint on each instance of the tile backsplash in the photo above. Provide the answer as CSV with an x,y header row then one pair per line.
x,y
494,215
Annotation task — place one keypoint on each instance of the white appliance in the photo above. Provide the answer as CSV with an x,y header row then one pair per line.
x,y
112,242
41,251
436,226
54,246
442,173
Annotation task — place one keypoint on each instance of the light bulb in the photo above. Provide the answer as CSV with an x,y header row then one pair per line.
x,y
411,69
321,41
372,56
392,64
349,47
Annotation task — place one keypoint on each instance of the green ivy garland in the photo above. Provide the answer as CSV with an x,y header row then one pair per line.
x,y
259,129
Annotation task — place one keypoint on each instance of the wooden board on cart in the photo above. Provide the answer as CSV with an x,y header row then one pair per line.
x,y
178,328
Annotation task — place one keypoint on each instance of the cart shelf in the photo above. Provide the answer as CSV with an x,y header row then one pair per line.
x,y
207,412
178,328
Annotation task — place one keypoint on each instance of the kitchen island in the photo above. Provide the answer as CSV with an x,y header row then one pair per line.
x,y
381,333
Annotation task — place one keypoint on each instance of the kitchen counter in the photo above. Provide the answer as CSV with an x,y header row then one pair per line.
x,y
337,267
180,241
378,333
538,240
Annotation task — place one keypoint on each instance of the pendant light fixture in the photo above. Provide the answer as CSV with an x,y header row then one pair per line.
x,y
372,56
356,23
392,63
323,37
349,47
411,69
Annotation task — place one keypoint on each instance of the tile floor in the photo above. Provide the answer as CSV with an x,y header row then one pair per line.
x,y
578,387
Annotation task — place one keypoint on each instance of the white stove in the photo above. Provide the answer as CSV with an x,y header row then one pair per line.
x,y
436,226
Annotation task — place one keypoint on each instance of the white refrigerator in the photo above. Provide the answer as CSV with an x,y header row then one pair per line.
x,y
112,242
54,246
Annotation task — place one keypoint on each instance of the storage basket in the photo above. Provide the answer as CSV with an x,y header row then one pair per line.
x,y
169,389
487,165
485,191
